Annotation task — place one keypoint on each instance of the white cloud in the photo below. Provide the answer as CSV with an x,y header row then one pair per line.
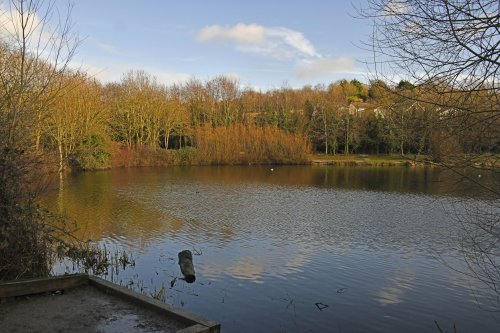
x,y
279,43
11,26
239,34
276,42
43,37
294,39
393,8
307,70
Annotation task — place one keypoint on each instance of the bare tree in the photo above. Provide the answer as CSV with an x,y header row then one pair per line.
x,y
452,44
38,46
450,51
35,49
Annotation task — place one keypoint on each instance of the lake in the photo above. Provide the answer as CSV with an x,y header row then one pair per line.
x,y
292,248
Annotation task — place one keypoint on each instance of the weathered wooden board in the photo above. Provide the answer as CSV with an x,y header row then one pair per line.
x,y
43,285
154,305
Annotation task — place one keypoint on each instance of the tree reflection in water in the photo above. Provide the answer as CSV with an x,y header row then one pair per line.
x,y
479,242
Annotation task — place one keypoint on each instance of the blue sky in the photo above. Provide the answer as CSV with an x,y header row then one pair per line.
x,y
263,43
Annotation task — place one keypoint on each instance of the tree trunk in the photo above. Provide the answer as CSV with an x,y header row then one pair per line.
x,y
346,148
61,156
326,139
166,139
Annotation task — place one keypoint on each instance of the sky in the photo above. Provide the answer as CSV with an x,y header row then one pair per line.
x,y
264,44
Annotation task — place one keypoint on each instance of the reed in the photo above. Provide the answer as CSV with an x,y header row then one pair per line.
x,y
249,144
233,145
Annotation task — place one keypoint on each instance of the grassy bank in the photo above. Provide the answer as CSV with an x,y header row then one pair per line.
x,y
226,154
484,161
239,147
369,160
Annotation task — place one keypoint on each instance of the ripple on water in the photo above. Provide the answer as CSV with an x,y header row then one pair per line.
x,y
272,248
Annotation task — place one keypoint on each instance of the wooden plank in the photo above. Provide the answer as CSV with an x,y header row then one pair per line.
x,y
182,316
42,285
195,329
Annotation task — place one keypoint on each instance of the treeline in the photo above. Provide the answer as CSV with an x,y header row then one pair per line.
x,y
139,121
224,123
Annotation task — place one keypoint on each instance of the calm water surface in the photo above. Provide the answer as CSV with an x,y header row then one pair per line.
x,y
297,249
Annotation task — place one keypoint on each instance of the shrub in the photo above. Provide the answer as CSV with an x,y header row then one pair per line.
x,y
92,153
184,156
139,155
27,236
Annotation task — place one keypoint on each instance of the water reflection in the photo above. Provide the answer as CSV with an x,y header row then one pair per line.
x,y
137,198
248,268
102,212
273,244
397,285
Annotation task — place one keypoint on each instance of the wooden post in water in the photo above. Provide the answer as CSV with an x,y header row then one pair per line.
x,y
186,264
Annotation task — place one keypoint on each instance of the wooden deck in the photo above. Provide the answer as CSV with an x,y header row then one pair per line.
x,y
80,294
